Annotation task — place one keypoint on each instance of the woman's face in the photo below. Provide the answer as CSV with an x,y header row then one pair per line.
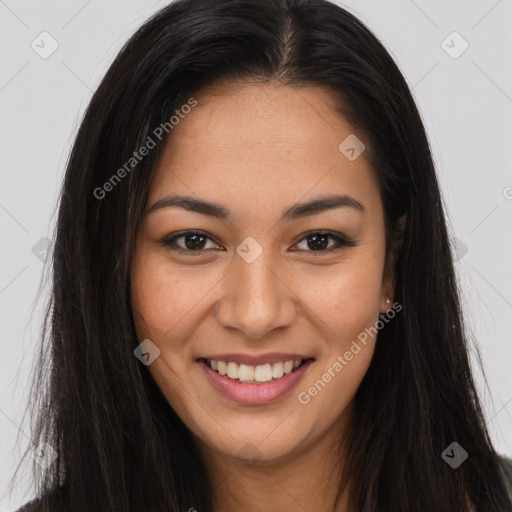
x,y
258,287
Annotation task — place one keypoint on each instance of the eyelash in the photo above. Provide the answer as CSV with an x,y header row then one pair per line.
x,y
170,242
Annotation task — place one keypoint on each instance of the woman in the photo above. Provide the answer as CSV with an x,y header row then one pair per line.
x,y
254,304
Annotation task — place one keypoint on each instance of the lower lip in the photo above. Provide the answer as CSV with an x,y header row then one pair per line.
x,y
263,393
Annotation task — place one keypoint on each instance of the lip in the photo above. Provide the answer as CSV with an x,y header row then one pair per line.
x,y
270,358
263,393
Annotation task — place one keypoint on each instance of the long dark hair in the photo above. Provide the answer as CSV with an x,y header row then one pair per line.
x,y
120,445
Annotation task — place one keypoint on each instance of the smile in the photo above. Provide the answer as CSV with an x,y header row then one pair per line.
x,y
254,374
254,384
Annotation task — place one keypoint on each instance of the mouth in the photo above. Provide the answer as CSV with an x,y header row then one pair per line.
x,y
255,374
254,384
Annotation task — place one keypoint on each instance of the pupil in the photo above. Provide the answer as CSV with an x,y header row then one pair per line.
x,y
319,242
196,238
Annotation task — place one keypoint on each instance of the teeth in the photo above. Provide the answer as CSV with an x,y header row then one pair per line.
x,y
277,370
288,367
245,372
263,373
222,367
232,370
248,373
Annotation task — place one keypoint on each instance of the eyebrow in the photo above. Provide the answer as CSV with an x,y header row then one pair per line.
x,y
296,211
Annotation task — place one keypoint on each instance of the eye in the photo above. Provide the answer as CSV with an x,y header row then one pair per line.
x,y
196,241
193,241
318,241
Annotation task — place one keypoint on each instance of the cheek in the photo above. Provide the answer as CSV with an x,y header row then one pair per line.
x,y
346,308
167,298
347,297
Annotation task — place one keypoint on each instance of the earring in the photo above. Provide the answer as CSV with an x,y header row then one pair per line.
x,y
388,300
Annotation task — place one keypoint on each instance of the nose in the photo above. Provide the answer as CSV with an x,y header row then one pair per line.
x,y
256,299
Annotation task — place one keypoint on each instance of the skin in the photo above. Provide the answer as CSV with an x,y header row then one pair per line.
x,y
257,150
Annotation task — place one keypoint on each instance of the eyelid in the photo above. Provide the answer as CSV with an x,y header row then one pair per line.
x,y
342,241
169,241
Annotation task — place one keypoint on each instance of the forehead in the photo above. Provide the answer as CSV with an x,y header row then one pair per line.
x,y
252,117
249,142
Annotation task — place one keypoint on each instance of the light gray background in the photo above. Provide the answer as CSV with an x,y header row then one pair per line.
x,y
466,104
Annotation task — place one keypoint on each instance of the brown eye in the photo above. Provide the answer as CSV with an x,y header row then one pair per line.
x,y
318,241
194,242
190,241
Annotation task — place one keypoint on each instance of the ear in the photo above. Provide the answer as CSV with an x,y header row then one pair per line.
x,y
389,272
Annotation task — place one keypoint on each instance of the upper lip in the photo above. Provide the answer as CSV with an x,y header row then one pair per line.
x,y
257,360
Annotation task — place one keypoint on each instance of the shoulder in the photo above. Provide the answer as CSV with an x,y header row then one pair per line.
x,y
34,505
507,464
51,501
31,506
